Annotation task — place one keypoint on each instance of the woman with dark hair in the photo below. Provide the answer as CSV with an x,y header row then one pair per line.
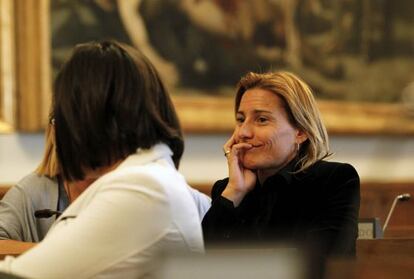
x,y
44,190
116,127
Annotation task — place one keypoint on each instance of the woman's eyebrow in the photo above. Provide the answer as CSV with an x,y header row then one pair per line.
x,y
258,111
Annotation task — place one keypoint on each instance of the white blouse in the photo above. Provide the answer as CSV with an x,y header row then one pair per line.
x,y
120,225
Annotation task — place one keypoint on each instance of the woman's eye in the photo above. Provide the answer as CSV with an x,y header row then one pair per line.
x,y
262,119
239,119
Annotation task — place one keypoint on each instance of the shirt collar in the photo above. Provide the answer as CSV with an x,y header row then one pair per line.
x,y
157,152
287,172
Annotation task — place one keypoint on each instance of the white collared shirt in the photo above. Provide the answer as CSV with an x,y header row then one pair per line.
x,y
119,225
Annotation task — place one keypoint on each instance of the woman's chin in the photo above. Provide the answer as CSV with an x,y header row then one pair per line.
x,y
249,164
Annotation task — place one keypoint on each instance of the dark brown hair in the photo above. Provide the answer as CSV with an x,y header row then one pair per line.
x,y
109,101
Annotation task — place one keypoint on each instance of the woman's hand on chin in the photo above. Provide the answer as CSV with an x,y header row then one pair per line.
x,y
241,179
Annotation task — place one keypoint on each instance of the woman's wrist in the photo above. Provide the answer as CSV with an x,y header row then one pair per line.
x,y
233,194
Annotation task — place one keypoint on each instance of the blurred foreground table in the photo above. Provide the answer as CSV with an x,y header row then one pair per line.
x,y
13,248
376,258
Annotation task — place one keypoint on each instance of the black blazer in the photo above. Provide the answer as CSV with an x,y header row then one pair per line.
x,y
317,208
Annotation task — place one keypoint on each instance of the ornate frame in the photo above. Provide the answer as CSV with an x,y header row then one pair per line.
x,y
198,114
29,90
208,114
7,100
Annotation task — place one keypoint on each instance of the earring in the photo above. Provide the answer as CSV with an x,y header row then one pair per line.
x,y
297,147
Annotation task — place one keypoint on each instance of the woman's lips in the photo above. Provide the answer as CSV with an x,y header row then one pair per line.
x,y
254,147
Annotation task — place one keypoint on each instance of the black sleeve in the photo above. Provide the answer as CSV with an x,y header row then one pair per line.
x,y
220,218
335,230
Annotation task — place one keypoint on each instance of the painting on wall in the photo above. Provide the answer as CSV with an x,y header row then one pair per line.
x,y
357,55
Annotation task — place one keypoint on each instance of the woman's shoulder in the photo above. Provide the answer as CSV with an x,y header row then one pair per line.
x,y
39,191
323,167
328,170
139,178
34,182
152,173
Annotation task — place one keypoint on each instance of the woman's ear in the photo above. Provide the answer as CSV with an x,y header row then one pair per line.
x,y
301,136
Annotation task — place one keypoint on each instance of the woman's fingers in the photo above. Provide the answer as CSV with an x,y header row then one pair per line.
x,y
228,145
233,148
237,149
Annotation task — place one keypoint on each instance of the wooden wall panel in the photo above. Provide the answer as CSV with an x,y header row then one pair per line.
x,y
376,200
378,258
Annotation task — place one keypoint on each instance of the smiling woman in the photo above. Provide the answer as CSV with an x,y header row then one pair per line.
x,y
280,188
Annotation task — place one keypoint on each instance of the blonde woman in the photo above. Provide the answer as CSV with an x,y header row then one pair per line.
x,y
280,187
39,191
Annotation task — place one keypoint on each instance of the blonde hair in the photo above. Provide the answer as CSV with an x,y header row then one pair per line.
x,y
50,164
300,106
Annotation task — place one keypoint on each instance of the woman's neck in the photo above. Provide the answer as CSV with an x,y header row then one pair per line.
x,y
264,174
75,188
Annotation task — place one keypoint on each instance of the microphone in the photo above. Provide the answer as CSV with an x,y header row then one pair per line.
x,y
402,197
46,213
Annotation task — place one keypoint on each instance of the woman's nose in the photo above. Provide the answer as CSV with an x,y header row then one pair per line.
x,y
245,131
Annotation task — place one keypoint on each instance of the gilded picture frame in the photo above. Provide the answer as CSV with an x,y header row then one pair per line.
x,y
199,113
26,76
7,101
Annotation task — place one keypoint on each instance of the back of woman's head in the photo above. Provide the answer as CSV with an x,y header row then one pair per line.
x,y
109,101
300,107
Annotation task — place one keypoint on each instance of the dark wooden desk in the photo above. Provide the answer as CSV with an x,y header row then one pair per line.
x,y
384,248
376,258
13,248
